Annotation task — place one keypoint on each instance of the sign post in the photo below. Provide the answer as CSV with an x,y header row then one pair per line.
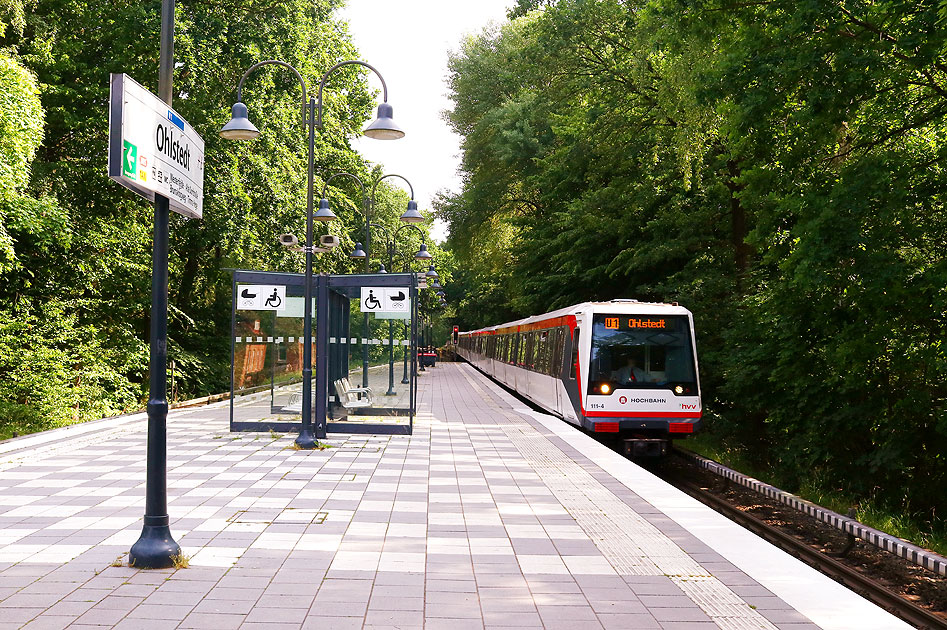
x,y
156,548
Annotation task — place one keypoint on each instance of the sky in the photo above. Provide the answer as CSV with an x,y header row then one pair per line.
x,y
408,42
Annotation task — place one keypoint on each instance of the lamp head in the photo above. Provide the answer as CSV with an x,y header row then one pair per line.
x,y
239,127
411,215
437,284
431,273
423,254
381,268
324,214
359,252
383,127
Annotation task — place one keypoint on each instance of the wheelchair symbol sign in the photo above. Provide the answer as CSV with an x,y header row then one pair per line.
x,y
385,300
371,302
255,297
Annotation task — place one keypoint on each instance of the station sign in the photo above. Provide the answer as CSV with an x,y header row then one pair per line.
x,y
259,297
386,302
152,149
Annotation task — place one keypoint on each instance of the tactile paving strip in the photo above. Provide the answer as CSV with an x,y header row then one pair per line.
x,y
720,603
631,544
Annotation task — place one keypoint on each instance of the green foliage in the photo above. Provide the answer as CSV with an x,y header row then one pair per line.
x,y
776,167
75,248
55,371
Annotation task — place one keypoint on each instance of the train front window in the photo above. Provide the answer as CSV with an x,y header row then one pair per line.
x,y
641,352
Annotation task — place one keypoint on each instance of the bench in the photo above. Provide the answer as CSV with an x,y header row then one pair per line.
x,y
349,396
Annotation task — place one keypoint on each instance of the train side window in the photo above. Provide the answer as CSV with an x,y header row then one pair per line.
x,y
541,366
542,363
575,353
537,352
560,351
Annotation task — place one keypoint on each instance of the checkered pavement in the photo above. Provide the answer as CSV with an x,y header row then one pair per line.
x,y
481,519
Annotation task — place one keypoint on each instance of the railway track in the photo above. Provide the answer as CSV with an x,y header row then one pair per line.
x,y
853,579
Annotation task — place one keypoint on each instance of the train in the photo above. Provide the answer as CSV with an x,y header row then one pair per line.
x,y
624,367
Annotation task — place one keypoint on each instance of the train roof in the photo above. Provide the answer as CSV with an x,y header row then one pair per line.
x,y
613,306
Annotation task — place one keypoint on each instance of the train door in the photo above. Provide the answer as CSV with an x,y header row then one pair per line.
x,y
570,404
557,362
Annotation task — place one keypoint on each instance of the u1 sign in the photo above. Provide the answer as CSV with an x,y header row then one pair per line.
x,y
152,149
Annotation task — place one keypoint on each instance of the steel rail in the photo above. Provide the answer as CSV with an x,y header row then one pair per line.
x,y
901,548
864,586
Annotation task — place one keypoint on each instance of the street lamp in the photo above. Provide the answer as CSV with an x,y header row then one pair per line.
x,y
324,203
391,248
409,216
240,128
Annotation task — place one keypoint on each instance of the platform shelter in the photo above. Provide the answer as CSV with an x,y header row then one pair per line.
x,y
365,335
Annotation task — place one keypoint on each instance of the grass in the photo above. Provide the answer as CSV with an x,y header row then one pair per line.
x,y
915,528
181,561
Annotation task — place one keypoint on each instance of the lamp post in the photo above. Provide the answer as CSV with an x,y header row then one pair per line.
x,y
391,248
324,203
240,128
411,215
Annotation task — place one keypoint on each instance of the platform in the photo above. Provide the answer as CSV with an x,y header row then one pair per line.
x,y
489,516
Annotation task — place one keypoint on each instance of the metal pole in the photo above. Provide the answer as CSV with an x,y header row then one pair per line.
x,y
391,359
156,548
368,255
322,355
420,335
391,328
305,439
404,379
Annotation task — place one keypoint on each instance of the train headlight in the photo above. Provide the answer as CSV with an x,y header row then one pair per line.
x,y
678,389
606,388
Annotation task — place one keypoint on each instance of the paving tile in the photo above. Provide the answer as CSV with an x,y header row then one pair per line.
x,y
277,616
448,623
49,622
457,526
623,621
689,614
324,622
409,618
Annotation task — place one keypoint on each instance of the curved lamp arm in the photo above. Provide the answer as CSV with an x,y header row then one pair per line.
x,y
322,84
268,62
414,227
411,215
383,228
325,187
378,181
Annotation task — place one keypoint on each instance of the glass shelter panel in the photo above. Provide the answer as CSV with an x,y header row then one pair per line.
x,y
370,356
267,346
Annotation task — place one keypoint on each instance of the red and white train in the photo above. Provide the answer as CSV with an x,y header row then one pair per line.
x,y
623,367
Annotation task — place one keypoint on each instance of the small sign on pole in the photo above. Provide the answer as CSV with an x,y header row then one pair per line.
x,y
256,297
152,149
385,300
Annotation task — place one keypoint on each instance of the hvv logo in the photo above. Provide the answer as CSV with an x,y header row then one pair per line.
x,y
686,406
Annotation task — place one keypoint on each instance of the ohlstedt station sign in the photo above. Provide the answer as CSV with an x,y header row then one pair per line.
x,y
152,149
